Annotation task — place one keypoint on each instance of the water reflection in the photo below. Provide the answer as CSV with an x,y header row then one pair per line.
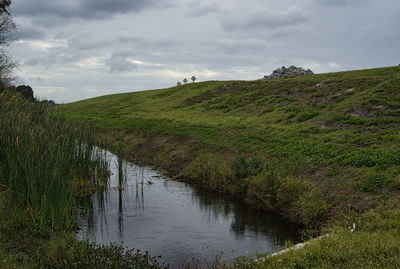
x,y
149,212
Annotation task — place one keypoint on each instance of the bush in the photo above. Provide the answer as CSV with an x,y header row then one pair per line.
x,y
64,251
290,189
239,166
262,190
311,207
243,167
211,170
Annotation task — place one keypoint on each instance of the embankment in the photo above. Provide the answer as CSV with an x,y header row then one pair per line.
x,y
323,150
310,147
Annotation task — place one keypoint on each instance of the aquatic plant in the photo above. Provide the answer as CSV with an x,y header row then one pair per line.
x,y
43,157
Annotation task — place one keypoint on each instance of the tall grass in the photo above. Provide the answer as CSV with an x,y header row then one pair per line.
x,y
43,156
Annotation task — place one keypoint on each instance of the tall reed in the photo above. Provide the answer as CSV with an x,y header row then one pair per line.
x,y
43,156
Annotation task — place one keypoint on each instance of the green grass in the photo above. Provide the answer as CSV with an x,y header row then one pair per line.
x,y
317,148
301,126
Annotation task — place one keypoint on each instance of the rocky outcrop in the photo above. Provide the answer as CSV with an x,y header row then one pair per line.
x,y
291,71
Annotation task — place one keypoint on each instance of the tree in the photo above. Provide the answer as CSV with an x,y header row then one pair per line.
x,y
6,27
4,6
26,91
178,83
193,79
185,80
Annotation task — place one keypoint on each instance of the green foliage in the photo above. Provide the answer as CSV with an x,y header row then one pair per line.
x,y
64,251
373,181
262,190
211,170
43,156
306,115
311,207
240,167
243,167
373,244
369,157
290,189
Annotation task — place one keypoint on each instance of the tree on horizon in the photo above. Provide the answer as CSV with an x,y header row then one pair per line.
x,y
193,79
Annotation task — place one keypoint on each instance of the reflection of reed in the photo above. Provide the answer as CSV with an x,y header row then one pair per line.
x,y
139,182
120,215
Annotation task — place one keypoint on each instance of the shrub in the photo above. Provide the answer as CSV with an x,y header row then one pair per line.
x,y
243,167
255,166
262,190
210,169
239,166
289,191
64,251
311,207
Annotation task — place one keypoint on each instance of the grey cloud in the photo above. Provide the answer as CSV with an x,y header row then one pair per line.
x,y
341,3
87,42
116,6
148,41
55,57
119,64
85,9
28,33
236,46
267,19
197,8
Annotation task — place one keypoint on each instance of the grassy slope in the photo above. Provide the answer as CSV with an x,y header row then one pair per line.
x,y
337,133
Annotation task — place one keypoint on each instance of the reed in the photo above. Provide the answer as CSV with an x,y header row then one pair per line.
x,y
43,156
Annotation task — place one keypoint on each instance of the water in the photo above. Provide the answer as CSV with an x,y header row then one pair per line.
x,y
147,211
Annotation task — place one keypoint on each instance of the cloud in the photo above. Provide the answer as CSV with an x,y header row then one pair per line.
x,y
83,9
197,8
266,19
118,64
28,33
341,3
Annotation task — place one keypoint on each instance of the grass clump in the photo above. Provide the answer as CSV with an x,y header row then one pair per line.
x,y
43,156
210,170
64,251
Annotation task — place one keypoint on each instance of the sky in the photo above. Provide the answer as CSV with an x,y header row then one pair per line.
x,y
78,49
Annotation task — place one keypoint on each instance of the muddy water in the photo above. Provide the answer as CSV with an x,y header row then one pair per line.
x,y
147,211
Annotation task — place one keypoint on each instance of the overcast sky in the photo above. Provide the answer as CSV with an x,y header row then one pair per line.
x,y
77,49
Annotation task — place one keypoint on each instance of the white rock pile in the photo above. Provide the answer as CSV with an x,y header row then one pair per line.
x,y
291,71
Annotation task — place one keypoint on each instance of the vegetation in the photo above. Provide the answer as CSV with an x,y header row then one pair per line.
x,y
319,149
46,160
44,156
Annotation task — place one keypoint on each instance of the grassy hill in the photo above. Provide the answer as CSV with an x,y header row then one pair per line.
x,y
323,150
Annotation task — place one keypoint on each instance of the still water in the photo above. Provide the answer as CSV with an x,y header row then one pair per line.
x,y
147,211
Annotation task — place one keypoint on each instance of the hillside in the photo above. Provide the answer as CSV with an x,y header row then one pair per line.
x,y
323,150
